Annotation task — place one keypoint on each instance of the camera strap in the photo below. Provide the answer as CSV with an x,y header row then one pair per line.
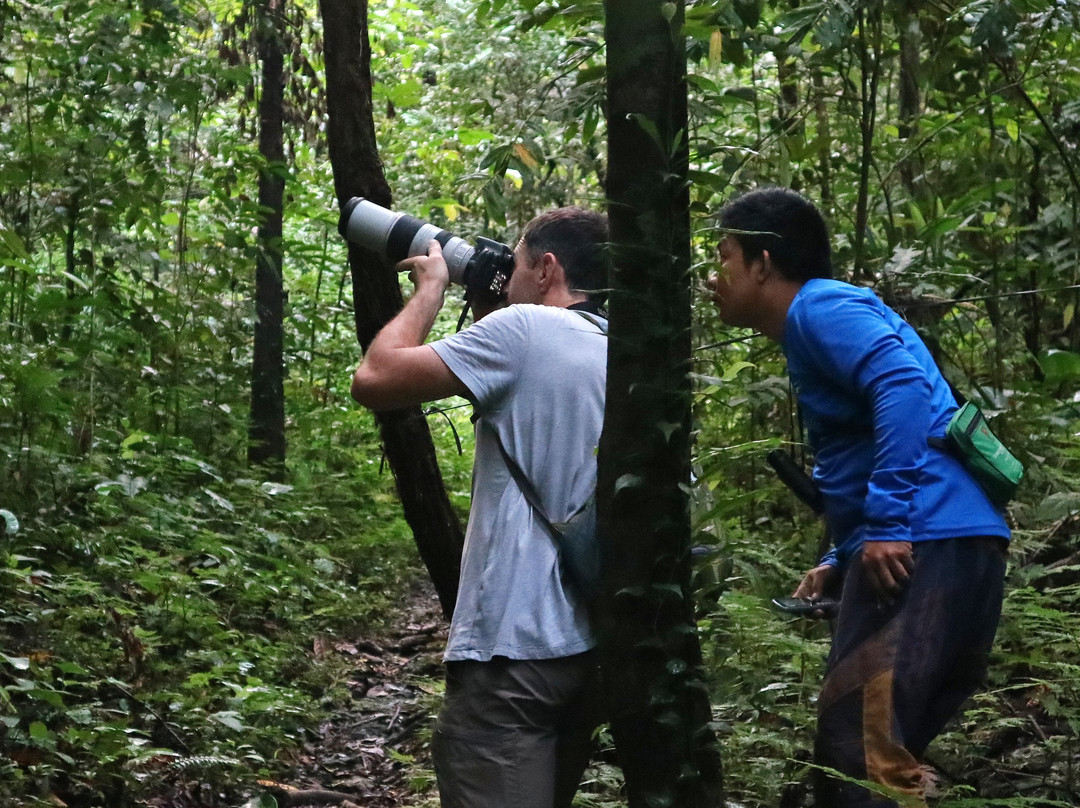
x,y
464,314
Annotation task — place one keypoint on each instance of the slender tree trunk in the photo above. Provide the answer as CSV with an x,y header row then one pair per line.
x,y
790,126
869,49
1033,303
650,652
787,103
267,433
824,138
907,26
377,293
70,263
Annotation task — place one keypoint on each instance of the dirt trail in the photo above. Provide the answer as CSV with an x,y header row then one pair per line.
x,y
359,751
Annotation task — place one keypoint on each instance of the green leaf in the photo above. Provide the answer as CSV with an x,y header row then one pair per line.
x,y
1060,366
470,137
11,246
399,757
592,119
230,719
220,501
709,381
133,438
628,481
1061,505
733,371
202,465
48,696
711,179
18,663
408,93
75,279
648,125
72,668
667,590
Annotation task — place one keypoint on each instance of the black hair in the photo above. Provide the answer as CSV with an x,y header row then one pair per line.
x,y
786,224
578,239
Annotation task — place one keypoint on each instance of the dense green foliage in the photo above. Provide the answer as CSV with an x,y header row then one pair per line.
x,y
159,605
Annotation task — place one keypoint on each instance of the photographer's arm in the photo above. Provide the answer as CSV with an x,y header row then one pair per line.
x,y
398,369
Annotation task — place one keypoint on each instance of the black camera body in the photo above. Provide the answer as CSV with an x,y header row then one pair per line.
x,y
483,269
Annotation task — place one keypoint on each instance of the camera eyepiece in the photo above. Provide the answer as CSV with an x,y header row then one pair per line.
x,y
483,270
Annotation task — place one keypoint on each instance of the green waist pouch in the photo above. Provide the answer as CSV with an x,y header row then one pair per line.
x,y
969,439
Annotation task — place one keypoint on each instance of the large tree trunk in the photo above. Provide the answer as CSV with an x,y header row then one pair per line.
x,y
377,293
267,430
650,652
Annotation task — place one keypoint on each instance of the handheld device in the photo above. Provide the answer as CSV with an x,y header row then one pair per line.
x,y
806,605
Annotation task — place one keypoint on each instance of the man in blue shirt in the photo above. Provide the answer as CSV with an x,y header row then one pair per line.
x,y
919,549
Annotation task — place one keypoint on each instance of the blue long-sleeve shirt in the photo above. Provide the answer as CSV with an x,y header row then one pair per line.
x,y
870,395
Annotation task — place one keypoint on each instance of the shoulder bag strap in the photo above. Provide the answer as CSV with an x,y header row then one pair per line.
x,y
516,472
596,321
522,481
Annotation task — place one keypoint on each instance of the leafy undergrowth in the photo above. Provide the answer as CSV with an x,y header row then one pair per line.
x,y
175,631
1014,745
164,621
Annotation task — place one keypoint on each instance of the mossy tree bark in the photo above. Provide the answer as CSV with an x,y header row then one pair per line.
x,y
649,646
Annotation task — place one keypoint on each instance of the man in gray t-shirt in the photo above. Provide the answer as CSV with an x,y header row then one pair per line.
x,y
521,678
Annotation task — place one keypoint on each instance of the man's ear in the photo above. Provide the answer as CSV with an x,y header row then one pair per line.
x,y
550,271
763,268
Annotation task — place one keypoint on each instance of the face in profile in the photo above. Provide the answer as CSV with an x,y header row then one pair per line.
x,y
523,286
732,286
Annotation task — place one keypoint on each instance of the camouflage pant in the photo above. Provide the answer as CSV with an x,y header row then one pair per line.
x,y
898,671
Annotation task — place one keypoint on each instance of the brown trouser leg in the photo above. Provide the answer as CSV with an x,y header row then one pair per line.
x,y
515,733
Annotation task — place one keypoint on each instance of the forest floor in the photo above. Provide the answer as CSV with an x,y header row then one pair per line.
x,y
373,750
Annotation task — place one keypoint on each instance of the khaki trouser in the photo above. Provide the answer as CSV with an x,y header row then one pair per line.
x,y
515,733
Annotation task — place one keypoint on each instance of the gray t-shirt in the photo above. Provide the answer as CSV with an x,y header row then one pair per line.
x,y
536,375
